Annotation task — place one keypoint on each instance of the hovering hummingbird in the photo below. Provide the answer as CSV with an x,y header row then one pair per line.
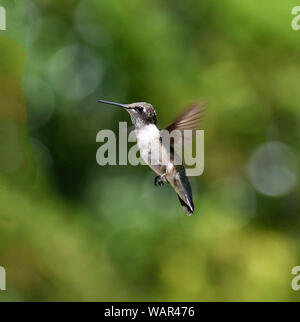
x,y
149,140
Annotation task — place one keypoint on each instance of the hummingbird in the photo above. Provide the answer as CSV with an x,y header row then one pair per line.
x,y
150,144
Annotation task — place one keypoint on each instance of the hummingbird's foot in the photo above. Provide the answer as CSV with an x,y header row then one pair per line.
x,y
157,181
160,180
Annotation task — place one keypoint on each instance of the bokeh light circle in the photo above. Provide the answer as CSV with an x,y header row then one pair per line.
x,y
34,22
88,24
75,72
273,169
40,101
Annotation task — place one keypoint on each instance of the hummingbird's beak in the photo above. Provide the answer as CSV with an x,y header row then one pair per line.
x,y
113,103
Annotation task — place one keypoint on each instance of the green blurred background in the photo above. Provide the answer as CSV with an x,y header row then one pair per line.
x,y
72,230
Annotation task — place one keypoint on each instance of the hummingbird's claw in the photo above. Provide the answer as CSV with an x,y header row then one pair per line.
x,y
159,180
156,181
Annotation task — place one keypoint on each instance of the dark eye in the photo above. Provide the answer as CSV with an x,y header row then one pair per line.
x,y
139,108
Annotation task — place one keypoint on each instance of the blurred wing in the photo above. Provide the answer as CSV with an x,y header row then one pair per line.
x,y
189,120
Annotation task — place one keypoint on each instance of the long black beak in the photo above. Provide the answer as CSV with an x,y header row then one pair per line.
x,y
113,103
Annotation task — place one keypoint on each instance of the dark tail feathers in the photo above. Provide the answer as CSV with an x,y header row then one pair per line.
x,y
189,209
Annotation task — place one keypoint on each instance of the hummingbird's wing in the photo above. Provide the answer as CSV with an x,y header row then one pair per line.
x,y
189,120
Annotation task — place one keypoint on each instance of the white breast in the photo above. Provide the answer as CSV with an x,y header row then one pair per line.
x,y
147,135
148,140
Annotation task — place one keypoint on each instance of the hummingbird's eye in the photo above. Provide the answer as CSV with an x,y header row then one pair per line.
x,y
139,108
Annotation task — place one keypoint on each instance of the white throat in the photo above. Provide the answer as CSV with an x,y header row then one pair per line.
x,y
146,135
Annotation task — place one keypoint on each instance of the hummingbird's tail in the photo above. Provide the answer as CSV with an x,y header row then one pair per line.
x,y
188,207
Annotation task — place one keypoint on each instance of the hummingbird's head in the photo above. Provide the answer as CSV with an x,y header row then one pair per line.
x,y
141,113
